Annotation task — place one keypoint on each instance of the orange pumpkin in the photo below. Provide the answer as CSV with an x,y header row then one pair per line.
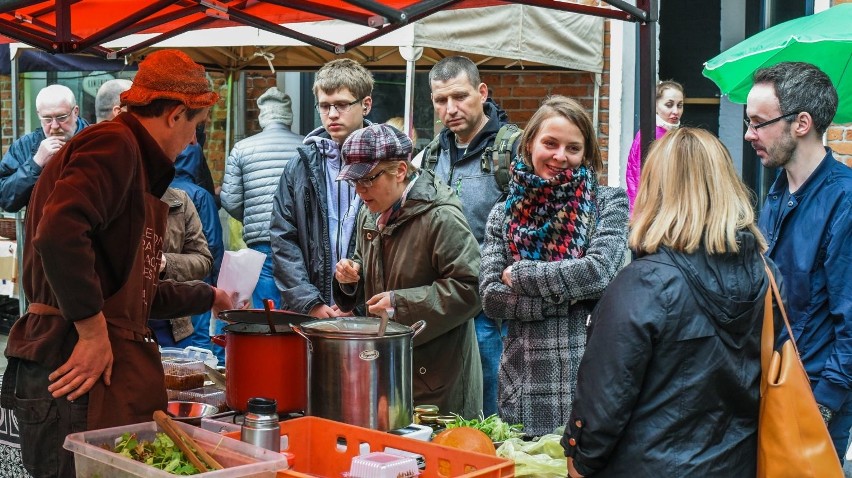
x,y
466,438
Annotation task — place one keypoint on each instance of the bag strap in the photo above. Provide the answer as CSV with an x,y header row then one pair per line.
x,y
430,155
497,158
767,338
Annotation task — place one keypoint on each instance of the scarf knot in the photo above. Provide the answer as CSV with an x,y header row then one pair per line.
x,y
549,219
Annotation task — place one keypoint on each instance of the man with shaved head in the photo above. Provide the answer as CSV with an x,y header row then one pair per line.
x,y
108,99
60,120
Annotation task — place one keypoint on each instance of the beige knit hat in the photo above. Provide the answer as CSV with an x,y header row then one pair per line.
x,y
274,106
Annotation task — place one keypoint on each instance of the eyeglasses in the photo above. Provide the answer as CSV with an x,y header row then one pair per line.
x,y
341,107
755,127
365,182
50,119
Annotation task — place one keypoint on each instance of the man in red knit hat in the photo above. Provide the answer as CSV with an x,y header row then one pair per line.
x,y
82,357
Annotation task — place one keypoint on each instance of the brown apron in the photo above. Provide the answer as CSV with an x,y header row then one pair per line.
x,y
137,386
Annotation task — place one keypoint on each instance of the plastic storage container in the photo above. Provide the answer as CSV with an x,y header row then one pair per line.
x,y
239,459
326,448
383,465
207,394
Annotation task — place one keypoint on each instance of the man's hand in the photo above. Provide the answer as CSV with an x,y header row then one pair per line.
x,y
379,303
322,311
572,472
221,301
347,271
48,147
162,263
506,277
90,359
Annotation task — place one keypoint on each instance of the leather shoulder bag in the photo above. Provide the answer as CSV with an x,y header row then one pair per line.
x,y
792,439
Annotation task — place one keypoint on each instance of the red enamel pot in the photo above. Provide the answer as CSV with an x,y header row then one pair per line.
x,y
263,363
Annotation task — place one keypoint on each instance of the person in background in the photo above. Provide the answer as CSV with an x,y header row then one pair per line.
x,y
203,177
108,99
252,173
82,357
398,122
471,122
186,167
414,254
186,257
670,381
669,107
550,251
313,215
24,161
807,220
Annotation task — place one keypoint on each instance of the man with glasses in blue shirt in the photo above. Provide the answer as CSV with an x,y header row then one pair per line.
x,y
21,166
807,222
313,215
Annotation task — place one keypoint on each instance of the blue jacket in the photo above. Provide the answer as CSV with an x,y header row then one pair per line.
x,y
808,238
18,171
186,169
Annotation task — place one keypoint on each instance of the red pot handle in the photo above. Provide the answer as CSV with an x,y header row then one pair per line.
x,y
219,340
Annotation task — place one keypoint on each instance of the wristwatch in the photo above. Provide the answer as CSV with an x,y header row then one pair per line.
x,y
826,413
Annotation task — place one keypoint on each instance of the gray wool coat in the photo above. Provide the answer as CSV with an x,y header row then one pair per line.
x,y
546,309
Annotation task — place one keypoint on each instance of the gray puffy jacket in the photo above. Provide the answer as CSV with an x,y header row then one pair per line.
x,y
252,172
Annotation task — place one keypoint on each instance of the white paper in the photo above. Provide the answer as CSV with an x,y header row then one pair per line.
x,y
239,274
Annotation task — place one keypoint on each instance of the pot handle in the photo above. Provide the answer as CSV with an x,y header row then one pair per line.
x,y
219,340
418,327
298,330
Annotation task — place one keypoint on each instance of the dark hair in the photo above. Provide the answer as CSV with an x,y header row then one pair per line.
x,y
452,66
802,87
571,110
159,106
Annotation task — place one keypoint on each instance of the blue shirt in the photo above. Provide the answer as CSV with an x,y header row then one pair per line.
x,y
809,233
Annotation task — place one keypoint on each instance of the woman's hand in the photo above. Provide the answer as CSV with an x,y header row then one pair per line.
x,y
379,303
347,271
506,277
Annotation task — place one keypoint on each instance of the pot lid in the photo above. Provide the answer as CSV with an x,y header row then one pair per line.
x,y
352,327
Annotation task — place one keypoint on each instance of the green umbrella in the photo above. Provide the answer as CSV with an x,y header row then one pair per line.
x,y
824,39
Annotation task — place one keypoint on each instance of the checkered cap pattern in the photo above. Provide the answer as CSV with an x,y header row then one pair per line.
x,y
365,148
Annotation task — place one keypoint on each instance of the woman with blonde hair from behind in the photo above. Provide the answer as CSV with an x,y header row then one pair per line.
x,y
669,384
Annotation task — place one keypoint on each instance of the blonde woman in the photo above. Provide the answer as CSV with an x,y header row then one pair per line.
x,y
669,384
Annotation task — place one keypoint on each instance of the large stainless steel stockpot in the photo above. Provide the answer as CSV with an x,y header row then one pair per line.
x,y
356,377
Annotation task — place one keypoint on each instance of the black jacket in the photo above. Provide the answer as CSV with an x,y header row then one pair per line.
x,y
669,383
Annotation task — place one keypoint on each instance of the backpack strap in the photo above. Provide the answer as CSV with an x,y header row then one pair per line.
x,y
430,155
497,158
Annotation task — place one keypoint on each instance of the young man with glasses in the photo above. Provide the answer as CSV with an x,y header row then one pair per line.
x,y
313,215
21,166
807,221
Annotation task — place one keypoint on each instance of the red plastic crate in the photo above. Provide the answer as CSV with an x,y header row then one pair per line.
x,y
314,442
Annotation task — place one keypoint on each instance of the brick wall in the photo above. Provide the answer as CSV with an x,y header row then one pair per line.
x,y
5,112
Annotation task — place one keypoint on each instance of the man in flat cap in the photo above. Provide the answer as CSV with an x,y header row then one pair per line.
x,y
82,357
416,255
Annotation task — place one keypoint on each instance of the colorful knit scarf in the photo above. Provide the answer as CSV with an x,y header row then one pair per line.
x,y
549,220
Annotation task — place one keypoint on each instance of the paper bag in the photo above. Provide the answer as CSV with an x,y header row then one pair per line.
x,y
239,274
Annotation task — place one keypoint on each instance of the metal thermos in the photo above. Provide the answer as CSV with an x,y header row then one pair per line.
x,y
260,426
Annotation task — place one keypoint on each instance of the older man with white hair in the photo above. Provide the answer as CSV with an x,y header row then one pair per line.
x,y
21,166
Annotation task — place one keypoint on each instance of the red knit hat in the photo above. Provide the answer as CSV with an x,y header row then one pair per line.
x,y
171,75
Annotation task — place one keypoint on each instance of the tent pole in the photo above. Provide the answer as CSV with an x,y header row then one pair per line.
x,y
410,54
228,113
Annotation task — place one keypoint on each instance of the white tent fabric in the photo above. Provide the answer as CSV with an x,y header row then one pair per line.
x,y
518,32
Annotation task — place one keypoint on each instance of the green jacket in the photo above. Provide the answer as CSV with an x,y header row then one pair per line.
x,y
430,259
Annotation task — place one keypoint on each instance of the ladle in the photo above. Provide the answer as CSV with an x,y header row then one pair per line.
x,y
267,306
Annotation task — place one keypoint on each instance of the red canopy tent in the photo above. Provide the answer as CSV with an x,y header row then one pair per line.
x,y
76,26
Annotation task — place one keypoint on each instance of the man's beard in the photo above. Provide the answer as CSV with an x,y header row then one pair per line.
x,y
781,153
